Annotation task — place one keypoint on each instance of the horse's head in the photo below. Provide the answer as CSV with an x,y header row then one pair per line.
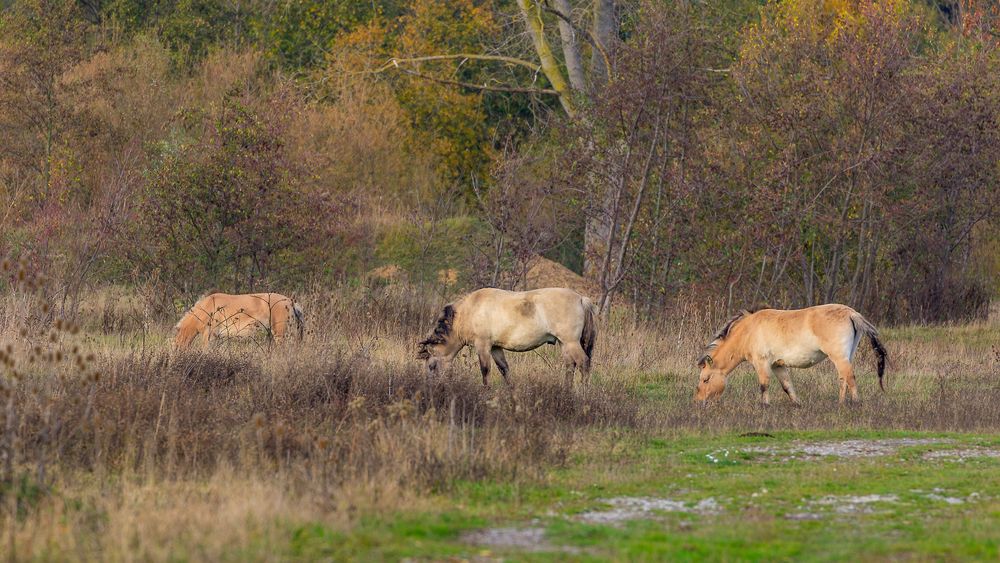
x,y
712,381
719,359
187,330
439,345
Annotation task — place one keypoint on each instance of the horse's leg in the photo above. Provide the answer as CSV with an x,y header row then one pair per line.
x,y
484,361
569,364
845,372
763,370
501,360
783,375
584,366
576,358
279,325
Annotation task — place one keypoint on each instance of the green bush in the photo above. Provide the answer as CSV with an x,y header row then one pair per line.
x,y
422,250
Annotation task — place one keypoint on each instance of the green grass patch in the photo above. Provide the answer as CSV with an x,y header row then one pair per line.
x,y
773,505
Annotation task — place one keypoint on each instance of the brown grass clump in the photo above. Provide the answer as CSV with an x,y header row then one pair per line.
x,y
193,412
330,428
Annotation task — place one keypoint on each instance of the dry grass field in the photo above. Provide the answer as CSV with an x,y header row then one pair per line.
x,y
339,447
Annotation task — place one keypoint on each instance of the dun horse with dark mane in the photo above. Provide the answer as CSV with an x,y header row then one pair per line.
x,y
774,341
494,320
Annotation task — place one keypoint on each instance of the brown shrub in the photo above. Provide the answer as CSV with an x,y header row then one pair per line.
x,y
326,415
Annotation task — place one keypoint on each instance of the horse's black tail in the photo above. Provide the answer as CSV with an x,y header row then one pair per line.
x,y
880,351
862,325
589,335
299,319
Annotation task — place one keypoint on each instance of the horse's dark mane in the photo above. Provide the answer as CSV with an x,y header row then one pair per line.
x,y
724,331
441,331
726,328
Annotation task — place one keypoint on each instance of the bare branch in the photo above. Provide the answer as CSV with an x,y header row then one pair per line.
x,y
483,87
395,62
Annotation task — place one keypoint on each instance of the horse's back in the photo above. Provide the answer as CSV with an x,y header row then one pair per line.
x,y
553,295
246,301
521,320
540,304
798,332
815,314
243,311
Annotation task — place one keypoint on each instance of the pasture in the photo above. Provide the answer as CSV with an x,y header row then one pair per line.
x,y
340,447
644,170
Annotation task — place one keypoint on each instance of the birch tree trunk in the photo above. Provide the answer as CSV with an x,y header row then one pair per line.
x,y
598,227
605,31
571,48
532,12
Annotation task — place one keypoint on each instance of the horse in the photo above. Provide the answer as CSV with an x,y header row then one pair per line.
x,y
238,316
774,340
494,320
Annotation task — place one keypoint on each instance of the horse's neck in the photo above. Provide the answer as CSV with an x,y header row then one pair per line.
x,y
455,346
731,351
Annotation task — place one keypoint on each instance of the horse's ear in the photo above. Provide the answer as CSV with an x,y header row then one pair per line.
x,y
705,360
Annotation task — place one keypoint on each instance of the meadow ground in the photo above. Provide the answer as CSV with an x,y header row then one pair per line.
x,y
340,448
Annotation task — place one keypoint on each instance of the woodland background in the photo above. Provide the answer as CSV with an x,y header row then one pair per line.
x,y
792,152
374,159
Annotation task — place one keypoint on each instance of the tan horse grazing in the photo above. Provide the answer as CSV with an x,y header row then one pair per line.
x,y
238,316
494,320
773,341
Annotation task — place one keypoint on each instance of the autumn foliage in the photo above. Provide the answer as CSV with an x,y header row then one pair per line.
x,y
802,152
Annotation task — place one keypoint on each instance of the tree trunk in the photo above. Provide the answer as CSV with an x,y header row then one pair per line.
x,y
596,233
571,48
598,228
605,31
550,66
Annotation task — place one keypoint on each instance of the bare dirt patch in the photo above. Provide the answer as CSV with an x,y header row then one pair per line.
x,y
962,455
945,499
525,539
819,509
850,504
635,508
804,516
843,448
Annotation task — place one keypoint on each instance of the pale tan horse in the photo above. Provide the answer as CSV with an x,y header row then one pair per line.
x,y
774,340
220,315
494,320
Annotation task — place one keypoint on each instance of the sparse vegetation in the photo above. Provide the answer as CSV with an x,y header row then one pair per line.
x,y
307,449
372,160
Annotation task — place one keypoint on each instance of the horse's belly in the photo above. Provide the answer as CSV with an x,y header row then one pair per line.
x,y
237,326
802,358
524,340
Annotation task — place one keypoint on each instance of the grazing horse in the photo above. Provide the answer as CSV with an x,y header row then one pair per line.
x,y
494,320
238,316
773,341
